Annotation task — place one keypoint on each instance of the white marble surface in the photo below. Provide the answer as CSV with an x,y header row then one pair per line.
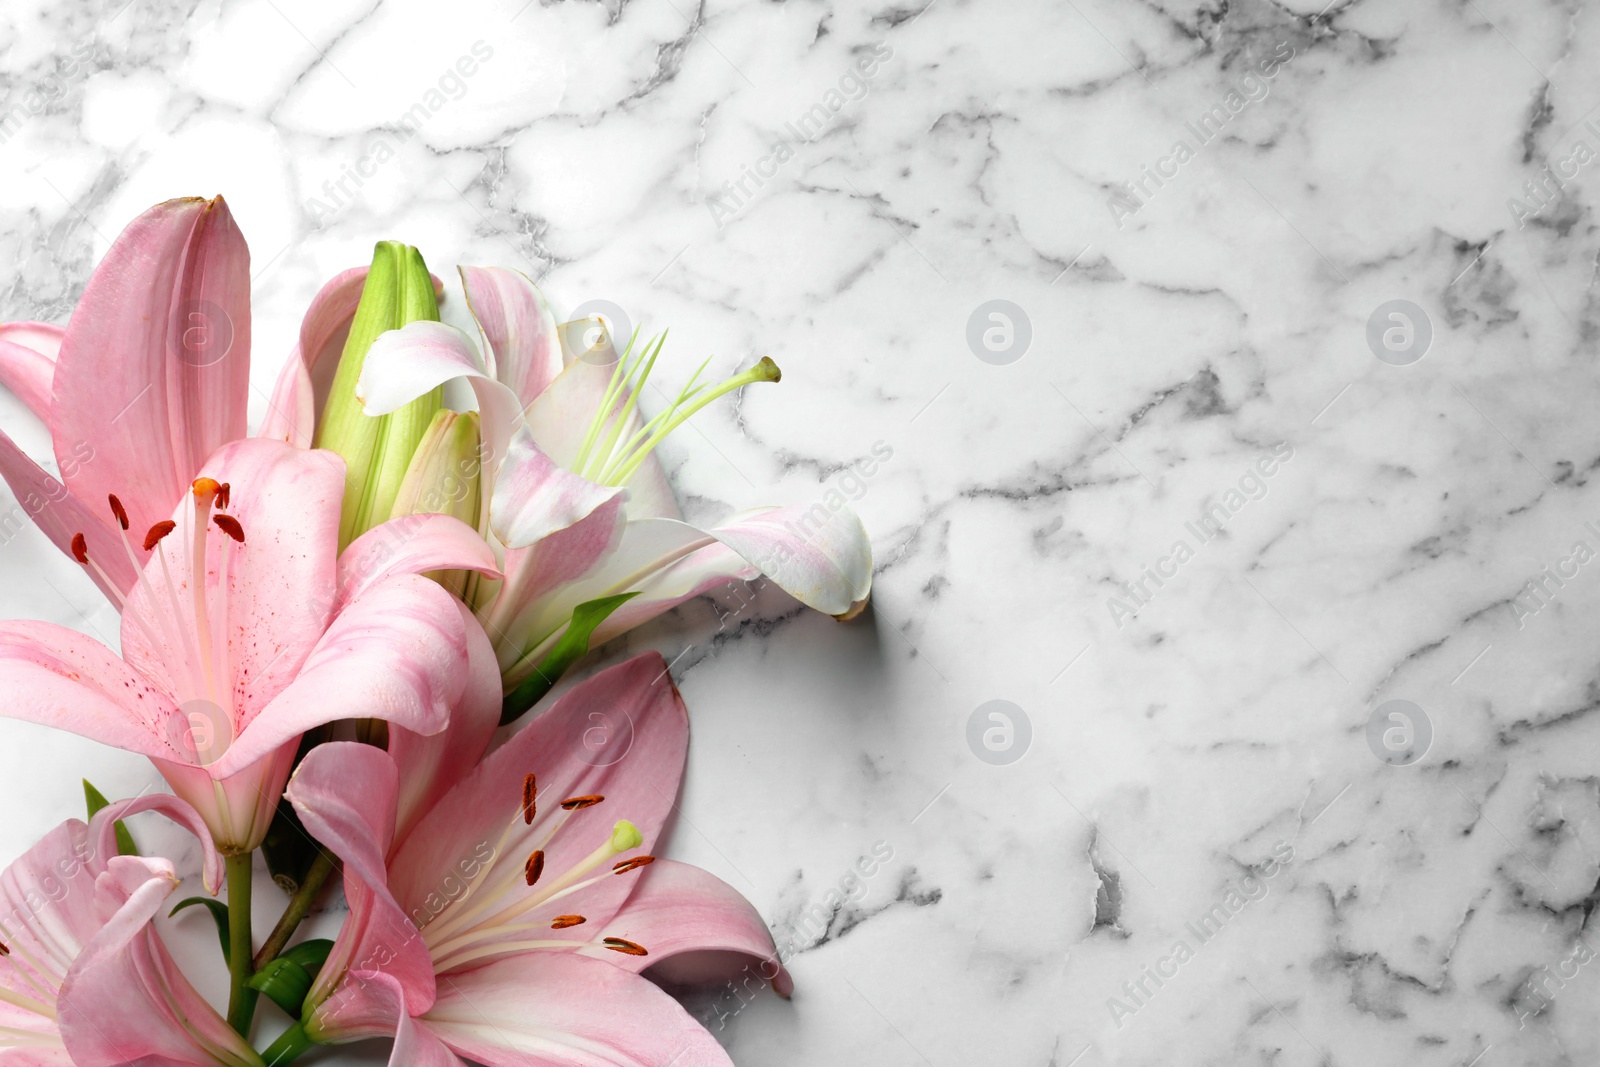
x,y
1172,346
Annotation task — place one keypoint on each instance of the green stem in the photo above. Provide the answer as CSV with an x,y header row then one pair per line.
x,y
291,1043
299,905
241,998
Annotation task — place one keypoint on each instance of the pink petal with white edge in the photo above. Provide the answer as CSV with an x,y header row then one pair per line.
x,y
280,581
519,326
430,766
404,364
550,1009
345,794
637,772
696,927
534,498
43,337
58,677
154,368
397,652
411,544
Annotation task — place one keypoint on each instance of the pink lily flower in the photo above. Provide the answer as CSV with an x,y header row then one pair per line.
x,y
573,493
149,378
246,628
511,924
84,978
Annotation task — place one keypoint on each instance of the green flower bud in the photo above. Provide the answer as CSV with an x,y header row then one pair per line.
x,y
445,478
377,449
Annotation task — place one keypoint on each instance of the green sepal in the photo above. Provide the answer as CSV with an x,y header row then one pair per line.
x,y
94,800
586,618
377,449
285,983
309,954
219,913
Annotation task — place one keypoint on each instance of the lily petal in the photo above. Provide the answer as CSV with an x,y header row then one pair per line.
x,y
637,772
696,927
554,1010
61,515
520,328
154,368
534,498
124,1000
58,677
28,362
430,766
411,544
397,652
404,364
102,829
559,418
345,794
286,500
307,377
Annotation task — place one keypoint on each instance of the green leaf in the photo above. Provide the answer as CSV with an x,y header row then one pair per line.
x,y
219,912
309,954
94,800
286,982
586,618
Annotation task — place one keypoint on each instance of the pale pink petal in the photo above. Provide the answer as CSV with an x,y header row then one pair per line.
x,y
397,652
558,1009
411,544
559,420
124,1001
548,564
43,337
697,928
636,767
345,794
26,371
534,498
154,369
519,327
280,581
431,765
58,677
371,1003
102,829
307,376
404,364
61,515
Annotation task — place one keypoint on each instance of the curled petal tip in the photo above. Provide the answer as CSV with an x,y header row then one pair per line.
x,y
854,610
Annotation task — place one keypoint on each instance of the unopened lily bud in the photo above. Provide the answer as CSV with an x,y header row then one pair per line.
x,y
444,478
377,449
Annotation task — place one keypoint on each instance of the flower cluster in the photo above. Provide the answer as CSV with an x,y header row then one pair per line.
x,y
339,638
